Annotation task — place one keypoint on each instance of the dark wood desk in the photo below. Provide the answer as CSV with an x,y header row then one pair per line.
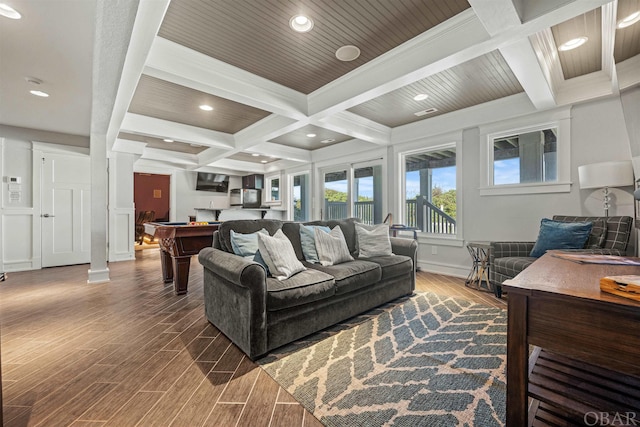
x,y
557,305
178,242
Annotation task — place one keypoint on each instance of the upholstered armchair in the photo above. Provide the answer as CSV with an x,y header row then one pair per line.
x,y
609,236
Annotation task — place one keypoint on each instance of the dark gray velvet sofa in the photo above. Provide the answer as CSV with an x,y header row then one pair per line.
x,y
260,313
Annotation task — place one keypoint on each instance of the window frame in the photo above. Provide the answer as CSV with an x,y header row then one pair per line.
x,y
290,181
267,187
452,141
559,119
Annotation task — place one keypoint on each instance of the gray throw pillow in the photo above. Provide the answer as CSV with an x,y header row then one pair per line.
x,y
332,247
308,241
246,245
373,240
277,252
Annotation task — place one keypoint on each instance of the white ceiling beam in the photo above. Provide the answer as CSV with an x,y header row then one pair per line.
x,y
185,67
158,128
128,146
184,159
524,63
609,22
239,165
265,130
149,17
450,43
496,15
282,151
356,126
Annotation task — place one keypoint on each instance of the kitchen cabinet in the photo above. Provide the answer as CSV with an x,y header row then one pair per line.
x,y
253,181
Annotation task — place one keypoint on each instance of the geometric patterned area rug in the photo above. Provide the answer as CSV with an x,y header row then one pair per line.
x,y
425,360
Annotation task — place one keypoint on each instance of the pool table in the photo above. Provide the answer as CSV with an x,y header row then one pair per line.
x,y
179,241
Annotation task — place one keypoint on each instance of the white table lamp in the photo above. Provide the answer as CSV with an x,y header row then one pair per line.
x,y
604,175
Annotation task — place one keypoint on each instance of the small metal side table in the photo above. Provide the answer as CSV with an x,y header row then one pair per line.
x,y
478,277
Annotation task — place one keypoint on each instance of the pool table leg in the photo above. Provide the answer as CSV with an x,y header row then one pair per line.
x,y
181,277
167,267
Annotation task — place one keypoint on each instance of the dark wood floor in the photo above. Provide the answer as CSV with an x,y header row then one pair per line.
x,y
130,352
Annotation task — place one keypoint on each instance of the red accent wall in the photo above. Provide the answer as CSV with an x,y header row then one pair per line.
x,y
151,193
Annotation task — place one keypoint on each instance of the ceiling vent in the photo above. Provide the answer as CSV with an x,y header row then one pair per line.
x,y
425,112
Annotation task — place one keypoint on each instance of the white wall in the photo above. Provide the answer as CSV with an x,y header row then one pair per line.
x,y
598,133
17,216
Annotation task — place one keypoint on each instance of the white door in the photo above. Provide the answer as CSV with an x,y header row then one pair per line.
x,y
66,209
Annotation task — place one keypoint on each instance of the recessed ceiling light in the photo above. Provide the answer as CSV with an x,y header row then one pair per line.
x,y
326,141
311,135
255,154
168,140
9,12
263,161
301,23
421,97
39,93
347,53
573,43
206,107
629,20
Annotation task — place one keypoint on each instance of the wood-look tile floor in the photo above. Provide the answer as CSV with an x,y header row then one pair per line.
x,y
130,352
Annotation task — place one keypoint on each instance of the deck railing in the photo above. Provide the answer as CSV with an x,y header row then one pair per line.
x,y
420,214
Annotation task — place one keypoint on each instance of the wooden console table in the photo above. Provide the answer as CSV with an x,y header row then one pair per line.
x,y
557,306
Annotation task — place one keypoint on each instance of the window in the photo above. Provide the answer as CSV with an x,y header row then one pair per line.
x,y
273,189
354,191
430,201
528,157
336,192
300,197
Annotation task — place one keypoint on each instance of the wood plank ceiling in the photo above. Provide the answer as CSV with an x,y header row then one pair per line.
x,y
254,36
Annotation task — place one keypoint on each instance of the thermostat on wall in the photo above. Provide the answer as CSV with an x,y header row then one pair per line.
x,y
14,179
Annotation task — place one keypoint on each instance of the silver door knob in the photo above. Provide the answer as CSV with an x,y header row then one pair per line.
x,y
47,216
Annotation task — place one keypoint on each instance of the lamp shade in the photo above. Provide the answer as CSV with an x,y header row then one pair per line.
x,y
606,174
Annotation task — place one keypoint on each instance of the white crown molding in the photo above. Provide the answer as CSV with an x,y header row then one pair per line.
x,y
496,15
584,88
609,22
282,151
627,72
169,156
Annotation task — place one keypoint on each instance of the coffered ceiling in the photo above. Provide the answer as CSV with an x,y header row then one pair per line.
x,y
278,97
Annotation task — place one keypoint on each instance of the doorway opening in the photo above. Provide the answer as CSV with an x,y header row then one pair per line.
x,y
151,197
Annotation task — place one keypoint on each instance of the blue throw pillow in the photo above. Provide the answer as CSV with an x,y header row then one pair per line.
x,y
258,258
560,235
308,241
245,244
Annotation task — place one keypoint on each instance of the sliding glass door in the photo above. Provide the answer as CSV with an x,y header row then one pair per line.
x,y
354,191
300,209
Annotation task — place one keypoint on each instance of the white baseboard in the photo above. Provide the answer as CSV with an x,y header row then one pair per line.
x,y
446,269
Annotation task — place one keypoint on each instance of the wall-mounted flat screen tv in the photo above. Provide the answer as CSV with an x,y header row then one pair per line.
x,y
206,181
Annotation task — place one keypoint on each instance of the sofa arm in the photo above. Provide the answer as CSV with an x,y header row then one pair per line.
x,y
401,246
232,267
235,299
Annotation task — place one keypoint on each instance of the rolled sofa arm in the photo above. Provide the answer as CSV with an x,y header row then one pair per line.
x,y
400,246
407,247
235,293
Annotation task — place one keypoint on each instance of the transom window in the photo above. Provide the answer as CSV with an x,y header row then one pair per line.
x,y
528,157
